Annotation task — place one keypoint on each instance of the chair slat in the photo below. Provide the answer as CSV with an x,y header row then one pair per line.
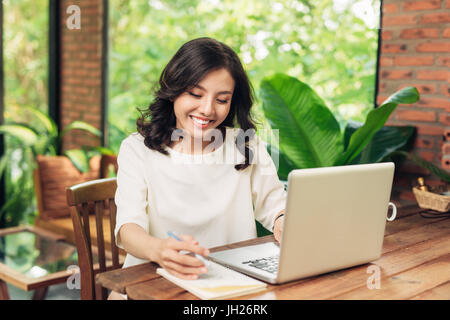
x,y
84,257
86,225
112,224
85,215
99,207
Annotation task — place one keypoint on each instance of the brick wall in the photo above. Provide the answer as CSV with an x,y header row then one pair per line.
x,y
415,51
81,71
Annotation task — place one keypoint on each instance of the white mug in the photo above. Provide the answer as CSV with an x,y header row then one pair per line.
x,y
394,212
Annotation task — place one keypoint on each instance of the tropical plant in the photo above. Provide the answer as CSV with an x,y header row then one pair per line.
x,y
38,136
390,144
310,136
42,137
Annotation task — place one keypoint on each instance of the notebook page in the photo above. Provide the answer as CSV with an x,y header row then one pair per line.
x,y
218,282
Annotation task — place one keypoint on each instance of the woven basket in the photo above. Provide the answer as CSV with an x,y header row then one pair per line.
x,y
432,200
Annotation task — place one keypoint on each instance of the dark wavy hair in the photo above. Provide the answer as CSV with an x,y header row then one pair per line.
x,y
186,69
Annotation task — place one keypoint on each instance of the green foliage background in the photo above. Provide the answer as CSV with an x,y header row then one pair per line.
x,y
325,43
25,45
330,45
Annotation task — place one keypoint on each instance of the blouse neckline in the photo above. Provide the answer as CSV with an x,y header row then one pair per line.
x,y
202,155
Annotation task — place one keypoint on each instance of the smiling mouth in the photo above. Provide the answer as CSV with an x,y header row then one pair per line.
x,y
200,122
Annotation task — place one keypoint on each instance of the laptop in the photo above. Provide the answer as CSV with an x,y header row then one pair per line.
x,y
335,218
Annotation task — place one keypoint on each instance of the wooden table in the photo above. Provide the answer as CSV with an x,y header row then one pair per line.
x,y
32,258
415,264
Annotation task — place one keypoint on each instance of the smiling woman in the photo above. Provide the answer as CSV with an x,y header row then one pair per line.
x,y
203,88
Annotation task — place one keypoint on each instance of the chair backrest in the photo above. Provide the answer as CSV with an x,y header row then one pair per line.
x,y
51,177
96,196
108,163
54,173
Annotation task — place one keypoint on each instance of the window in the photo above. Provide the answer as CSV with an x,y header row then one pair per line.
x,y
25,62
331,45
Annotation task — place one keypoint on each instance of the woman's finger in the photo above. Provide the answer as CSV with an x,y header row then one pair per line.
x,y
181,275
183,259
189,246
186,270
278,235
188,238
278,229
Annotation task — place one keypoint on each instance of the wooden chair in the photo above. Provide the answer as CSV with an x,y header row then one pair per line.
x,y
84,199
108,163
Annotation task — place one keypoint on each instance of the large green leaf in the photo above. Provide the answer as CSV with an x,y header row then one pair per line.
x,y
101,150
285,165
406,95
375,120
385,141
79,159
42,145
77,125
26,135
3,163
349,130
80,125
425,164
309,133
47,122
31,136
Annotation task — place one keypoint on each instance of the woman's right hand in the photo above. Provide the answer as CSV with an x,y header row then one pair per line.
x,y
168,256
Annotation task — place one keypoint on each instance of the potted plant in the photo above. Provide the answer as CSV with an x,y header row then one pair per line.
x,y
311,136
31,142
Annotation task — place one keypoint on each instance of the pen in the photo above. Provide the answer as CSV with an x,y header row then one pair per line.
x,y
173,235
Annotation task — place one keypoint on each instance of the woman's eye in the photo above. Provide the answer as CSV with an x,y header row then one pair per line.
x,y
194,95
199,96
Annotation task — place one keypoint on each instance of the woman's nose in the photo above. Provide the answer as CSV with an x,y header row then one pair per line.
x,y
207,107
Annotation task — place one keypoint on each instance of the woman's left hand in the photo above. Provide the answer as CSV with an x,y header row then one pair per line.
x,y
278,228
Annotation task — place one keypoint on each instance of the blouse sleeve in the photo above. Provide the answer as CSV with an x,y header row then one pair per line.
x,y
131,193
268,194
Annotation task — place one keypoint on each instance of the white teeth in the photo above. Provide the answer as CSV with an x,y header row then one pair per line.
x,y
200,121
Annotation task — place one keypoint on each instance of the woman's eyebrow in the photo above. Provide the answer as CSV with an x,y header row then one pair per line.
x,y
220,92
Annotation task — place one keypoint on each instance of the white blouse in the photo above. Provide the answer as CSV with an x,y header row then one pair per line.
x,y
202,195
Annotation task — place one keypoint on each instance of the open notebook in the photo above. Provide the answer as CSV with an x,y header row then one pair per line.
x,y
218,283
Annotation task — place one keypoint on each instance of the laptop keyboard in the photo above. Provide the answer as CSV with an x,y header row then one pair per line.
x,y
269,264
